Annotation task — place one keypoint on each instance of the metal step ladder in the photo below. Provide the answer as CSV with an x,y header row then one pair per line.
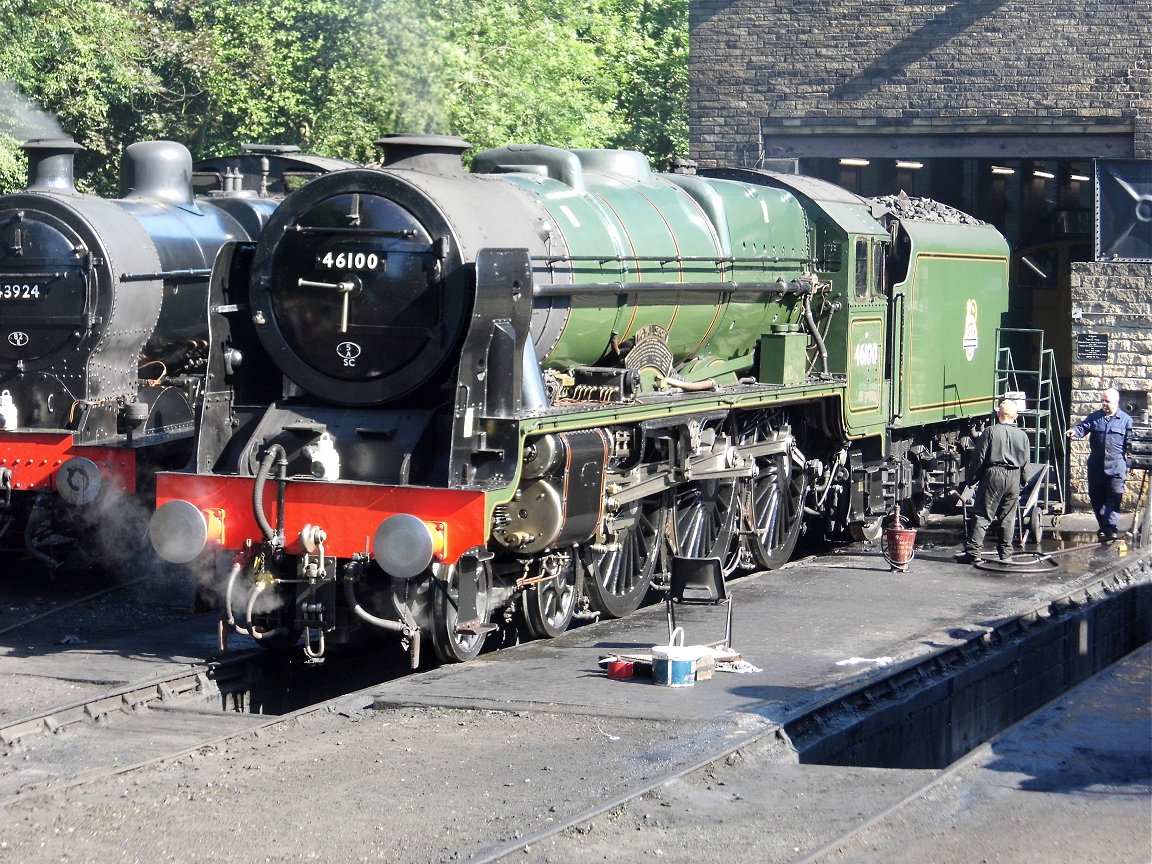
x,y
1026,368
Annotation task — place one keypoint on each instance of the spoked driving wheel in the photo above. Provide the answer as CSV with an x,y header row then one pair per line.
x,y
777,511
707,521
550,601
619,570
450,643
775,497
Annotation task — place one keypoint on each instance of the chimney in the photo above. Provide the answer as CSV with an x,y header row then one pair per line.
x,y
432,154
51,165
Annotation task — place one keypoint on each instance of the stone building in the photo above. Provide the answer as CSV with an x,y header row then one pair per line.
x,y
1007,109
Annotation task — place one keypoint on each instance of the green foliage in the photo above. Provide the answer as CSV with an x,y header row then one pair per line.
x,y
275,71
527,71
79,62
572,73
403,56
13,167
652,73
333,75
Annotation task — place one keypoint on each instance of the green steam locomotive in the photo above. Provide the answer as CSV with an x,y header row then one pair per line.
x,y
444,400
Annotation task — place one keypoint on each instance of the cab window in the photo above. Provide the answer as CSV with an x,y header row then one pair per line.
x,y
879,270
862,248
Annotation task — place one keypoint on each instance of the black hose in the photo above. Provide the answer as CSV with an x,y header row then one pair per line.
x,y
273,536
251,627
233,572
350,573
815,331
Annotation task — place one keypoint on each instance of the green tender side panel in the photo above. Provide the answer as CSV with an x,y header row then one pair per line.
x,y
956,293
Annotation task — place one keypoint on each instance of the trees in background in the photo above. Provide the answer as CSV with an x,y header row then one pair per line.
x,y
74,67
331,76
653,79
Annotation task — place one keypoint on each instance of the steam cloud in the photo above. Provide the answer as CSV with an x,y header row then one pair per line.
x,y
116,531
23,120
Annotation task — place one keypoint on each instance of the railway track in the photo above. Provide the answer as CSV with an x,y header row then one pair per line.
x,y
72,637
968,810
127,727
161,718
694,780
67,605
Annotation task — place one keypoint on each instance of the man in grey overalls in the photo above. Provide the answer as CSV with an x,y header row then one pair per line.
x,y
997,465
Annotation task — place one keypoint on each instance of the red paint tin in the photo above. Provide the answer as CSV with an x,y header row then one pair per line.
x,y
620,669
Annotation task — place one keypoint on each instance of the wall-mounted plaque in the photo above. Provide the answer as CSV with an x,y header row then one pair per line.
x,y
1092,347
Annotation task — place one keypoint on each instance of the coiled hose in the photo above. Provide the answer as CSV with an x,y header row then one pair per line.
x,y
228,619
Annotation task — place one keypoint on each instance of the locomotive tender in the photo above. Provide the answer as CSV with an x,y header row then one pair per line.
x,y
523,387
103,338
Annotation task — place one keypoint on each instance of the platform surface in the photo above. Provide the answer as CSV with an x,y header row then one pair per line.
x,y
812,629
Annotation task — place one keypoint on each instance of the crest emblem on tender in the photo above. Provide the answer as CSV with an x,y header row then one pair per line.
x,y
971,335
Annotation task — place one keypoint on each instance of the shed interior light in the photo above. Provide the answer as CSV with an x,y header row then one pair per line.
x,y
912,166
858,163
1079,178
999,169
1044,175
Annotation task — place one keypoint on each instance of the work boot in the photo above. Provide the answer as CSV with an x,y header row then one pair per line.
x,y
1004,554
967,558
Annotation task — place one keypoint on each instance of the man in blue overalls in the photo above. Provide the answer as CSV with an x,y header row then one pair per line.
x,y
1107,430
997,465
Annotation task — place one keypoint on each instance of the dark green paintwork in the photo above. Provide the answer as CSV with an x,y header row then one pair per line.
x,y
612,206
956,300
897,355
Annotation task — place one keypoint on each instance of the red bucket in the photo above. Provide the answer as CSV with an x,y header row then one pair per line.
x,y
899,546
620,669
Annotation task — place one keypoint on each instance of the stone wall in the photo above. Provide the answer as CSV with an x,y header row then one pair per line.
x,y
1113,301
1081,68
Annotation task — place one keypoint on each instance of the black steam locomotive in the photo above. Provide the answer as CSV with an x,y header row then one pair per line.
x,y
520,391
103,337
